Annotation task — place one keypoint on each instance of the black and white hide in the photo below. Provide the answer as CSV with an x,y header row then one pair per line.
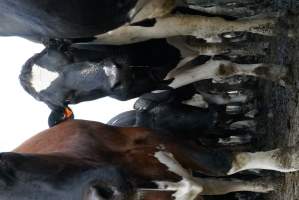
x,y
187,114
60,77
167,112
71,19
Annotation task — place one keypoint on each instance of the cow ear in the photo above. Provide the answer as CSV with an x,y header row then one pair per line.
x,y
99,191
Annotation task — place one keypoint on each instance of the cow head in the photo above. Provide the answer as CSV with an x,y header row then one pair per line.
x,y
59,78
44,177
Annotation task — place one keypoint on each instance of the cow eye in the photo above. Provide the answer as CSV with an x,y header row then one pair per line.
x,y
104,192
100,192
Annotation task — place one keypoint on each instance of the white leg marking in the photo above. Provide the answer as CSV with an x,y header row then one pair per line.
x,y
183,25
188,188
42,78
209,70
282,160
220,69
219,186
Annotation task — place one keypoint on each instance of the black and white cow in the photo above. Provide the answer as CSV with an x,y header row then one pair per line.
x,y
60,77
42,20
166,112
52,19
212,119
68,75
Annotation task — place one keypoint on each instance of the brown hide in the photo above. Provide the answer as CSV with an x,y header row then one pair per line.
x,y
132,149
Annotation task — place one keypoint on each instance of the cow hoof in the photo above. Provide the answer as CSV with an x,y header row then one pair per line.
x,y
246,124
289,158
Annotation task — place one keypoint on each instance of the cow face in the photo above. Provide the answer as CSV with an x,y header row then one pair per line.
x,y
55,78
31,177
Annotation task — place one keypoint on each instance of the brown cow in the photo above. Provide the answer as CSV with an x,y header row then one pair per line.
x,y
92,161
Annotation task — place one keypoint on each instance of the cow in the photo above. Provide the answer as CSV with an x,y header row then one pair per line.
x,y
208,118
73,19
69,74
60,76
83,20
88,160
159,111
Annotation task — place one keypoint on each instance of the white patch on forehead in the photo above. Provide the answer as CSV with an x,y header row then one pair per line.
x,y
188,188
42,78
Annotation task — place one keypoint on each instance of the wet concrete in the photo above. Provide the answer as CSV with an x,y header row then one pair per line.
x,y
278,119
278,123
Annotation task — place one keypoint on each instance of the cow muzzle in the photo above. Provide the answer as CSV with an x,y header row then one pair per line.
x,y
108,183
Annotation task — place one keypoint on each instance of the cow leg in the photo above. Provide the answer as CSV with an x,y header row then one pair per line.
x,y
227,104
195,46
235,140
282,160
215,162
190,187
219,69
218,99
219,186
185,25
225,98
